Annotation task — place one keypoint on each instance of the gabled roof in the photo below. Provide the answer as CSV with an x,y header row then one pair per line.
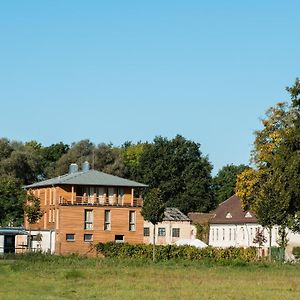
x,y
174,214
231,212
90,177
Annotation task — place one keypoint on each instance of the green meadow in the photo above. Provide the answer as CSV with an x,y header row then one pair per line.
x,y
50,277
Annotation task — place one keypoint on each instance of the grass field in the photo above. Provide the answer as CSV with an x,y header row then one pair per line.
x,y
48,277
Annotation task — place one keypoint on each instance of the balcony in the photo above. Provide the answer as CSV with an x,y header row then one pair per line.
x,y
101,201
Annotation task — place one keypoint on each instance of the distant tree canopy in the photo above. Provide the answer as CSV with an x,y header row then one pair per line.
x,y
174,166
225,181
180,171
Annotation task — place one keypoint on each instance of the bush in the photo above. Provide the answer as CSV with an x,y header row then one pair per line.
x,y
296,252
141,251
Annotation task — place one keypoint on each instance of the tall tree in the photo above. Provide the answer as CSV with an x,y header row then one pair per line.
x,y
225,181
272,188
12,199
33,212
153,211
178,168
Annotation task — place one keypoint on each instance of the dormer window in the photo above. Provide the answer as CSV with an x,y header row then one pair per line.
x,y
228,216
248,215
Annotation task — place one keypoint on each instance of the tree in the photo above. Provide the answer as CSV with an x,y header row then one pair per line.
x,y
153,211
32,209
179,170
12,199
225,181
272,188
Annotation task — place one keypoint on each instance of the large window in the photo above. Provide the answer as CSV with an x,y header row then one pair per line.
x,y
175,232
88,219
131,220
146,231
107,220
161,231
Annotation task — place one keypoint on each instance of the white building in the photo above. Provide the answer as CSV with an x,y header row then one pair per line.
x,y
175,226
232,226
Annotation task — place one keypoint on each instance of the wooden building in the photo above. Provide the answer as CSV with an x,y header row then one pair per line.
x,y
85,207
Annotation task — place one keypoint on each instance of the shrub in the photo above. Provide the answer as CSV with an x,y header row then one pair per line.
x,y
141,251
296,252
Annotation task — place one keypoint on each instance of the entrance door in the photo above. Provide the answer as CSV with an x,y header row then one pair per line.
x,y
9,244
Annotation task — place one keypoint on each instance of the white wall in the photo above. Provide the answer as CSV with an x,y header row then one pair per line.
x,y
48,241
1,244
241,235
187,231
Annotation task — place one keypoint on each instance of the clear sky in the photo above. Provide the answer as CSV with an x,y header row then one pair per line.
x,y
113,71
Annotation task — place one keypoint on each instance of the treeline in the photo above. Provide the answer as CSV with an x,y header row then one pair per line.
x,y
175,166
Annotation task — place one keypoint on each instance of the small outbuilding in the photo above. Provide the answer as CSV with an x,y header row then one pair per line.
x,y
12,239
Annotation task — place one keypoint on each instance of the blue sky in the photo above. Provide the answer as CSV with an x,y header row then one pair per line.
x,y
113,71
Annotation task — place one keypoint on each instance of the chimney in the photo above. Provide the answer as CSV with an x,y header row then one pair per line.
x,y
85,166
73,168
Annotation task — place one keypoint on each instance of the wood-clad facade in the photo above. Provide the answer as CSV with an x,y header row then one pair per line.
x,y
82,215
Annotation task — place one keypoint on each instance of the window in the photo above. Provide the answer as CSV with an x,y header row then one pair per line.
x,y
175,232
243,233
248,215
228,216
217,234
88,237
212,234
223,234
229,234
161,231
119,238
70,237
88,219
132,220
107,220
146,231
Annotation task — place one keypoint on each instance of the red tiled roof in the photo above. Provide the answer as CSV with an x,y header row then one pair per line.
x,y
231,212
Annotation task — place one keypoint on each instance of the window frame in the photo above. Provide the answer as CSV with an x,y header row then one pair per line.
x,y
69,239
107,221
147,229
161,231
176,231
132,220
88,224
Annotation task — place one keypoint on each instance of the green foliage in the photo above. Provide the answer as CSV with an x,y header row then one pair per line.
x,y
153,207
273,189
179,170
32,209
225,181
202,232
296,252
141,251
11,201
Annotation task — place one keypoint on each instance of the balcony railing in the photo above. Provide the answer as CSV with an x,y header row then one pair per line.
x,y
100,201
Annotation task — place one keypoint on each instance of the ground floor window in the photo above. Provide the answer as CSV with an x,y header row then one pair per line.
x,y
70,237
146,231
119,238
175,232
88,237
161,231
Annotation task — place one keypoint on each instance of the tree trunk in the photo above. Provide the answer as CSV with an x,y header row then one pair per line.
x,y
153,249
270,244
29,239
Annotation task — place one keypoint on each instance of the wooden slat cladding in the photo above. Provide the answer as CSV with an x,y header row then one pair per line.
x,y
69,219
72,222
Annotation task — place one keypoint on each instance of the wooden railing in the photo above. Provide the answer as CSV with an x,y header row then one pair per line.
x,y
100,201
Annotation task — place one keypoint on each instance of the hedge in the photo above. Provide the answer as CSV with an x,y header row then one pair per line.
x,y
142,251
